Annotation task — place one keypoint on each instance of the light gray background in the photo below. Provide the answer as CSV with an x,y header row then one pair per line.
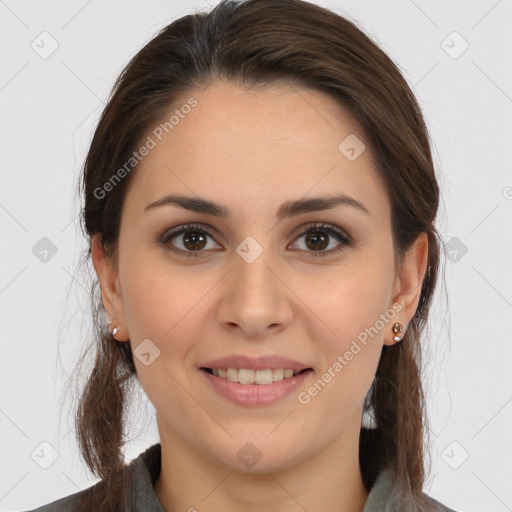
x,y
49,108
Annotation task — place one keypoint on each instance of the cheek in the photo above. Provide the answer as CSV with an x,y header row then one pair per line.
x,y
353,305
162,310
166,305
352,347
158,296
350,301
151,309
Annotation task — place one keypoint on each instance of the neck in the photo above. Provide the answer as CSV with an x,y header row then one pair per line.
x,y
327,481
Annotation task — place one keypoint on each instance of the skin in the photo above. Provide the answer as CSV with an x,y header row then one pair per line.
x,y
252,151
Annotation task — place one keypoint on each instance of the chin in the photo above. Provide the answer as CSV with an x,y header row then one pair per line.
x,y
258,456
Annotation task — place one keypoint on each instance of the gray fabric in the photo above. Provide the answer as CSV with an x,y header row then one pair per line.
x,y
380,498
139,480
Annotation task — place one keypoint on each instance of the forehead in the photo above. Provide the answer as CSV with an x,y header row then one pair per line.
x,y
243,146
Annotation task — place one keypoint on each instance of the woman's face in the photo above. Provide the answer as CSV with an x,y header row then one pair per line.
x,y
255,283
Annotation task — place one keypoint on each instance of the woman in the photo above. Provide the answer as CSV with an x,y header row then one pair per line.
x,y
260,201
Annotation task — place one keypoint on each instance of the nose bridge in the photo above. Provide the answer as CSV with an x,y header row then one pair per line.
x,y
254,297
253,265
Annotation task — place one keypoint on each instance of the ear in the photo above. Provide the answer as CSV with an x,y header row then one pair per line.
x,y
408,284
110,289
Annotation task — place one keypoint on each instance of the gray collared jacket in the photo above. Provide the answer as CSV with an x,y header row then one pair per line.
x,y
141,473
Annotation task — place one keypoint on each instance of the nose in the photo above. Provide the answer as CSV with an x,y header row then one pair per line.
x,y
255,300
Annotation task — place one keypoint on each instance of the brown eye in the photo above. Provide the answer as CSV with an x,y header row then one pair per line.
x,y
319,236
194,240
190,240
317,240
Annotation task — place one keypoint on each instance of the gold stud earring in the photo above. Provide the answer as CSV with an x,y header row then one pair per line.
x,y
398,327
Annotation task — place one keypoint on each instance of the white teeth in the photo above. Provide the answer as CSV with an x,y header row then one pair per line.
x,y
277,374
263,376
246,376
232,374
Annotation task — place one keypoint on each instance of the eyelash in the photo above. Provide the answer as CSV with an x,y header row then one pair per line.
x,y
345,240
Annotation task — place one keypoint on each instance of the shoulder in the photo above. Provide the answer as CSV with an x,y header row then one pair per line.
x,y
437,506
69,503
384,497
133,484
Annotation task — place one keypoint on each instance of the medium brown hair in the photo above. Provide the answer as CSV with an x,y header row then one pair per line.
x,y
256,43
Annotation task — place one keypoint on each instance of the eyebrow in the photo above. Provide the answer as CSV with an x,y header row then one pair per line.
x,y
286,210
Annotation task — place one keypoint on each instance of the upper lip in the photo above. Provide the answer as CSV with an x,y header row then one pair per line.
x,y
254,363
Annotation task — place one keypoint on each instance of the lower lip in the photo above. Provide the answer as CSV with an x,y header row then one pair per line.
x,y
255,394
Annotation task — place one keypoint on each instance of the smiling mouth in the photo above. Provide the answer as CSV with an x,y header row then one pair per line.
x,y
248,376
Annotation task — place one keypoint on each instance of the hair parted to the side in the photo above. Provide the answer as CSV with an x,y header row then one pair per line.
x,y
258,43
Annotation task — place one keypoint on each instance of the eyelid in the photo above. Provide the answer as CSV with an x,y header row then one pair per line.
x,y
344,238
207,229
